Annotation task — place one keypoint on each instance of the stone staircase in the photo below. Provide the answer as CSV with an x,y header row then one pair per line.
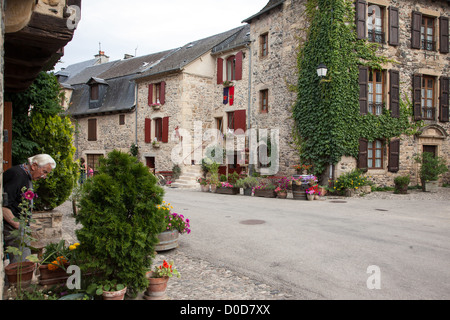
x,y
188,177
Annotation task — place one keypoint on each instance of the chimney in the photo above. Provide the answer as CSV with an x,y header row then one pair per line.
x,y
102,58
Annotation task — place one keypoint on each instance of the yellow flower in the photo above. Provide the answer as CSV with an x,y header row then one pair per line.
x,y
72,247
76,244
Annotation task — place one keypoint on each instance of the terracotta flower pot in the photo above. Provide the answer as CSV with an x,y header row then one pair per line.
x,y
282,195
156,289
26,273
114,295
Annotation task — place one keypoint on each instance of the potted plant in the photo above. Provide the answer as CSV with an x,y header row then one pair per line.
x,y
204,184
109,290
282,187
213,169
56,258
401,184
120,222
312,192
20,273
431,168
249,184
227,188
157,280
155,143
173,225
265,189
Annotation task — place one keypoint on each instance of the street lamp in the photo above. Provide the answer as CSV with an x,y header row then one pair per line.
x,y
322,70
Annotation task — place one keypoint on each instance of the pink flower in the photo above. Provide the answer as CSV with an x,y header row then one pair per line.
x,y
29,195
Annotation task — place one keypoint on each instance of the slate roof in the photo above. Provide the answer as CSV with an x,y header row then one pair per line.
x,y
179,58
269,6
237,40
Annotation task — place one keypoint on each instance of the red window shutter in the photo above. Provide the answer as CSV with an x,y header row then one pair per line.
x,y
361,19
394,93
363,89
443,34
165,129
362,158
162,92
240,120
150,94
219,70
238,70
443,99
416,26
417,95
394,155
393,26
148,130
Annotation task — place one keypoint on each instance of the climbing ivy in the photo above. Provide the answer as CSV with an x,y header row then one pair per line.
x,y
327,118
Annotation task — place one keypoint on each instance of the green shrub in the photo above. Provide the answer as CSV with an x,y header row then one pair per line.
x,y
431,166
350,180
120,221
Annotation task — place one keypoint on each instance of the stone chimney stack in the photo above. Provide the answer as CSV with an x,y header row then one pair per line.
x,y
102,58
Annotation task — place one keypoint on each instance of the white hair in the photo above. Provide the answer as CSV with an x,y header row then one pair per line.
x,y
42,160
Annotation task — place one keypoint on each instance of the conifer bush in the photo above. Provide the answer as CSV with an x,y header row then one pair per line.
x,y
120,221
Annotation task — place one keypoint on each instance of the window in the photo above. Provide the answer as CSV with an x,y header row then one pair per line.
x,y
264,100
157,93
376,94
219,124
375,24
231,68
427,33
159,129
121,119
375,154
92,129
157,90
94,91
264,44
150,163
230,120
427,93
93,161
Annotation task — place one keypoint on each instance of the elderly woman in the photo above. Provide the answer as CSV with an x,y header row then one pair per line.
x,y
14,179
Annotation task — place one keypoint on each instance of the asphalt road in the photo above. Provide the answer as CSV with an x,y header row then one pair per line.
x,y
360,249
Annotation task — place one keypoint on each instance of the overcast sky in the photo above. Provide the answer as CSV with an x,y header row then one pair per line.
x,y
148,26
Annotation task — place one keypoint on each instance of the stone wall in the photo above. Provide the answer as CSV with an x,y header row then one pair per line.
x,y
110,135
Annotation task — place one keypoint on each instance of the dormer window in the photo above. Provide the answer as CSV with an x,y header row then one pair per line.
x,y
94,91
97,90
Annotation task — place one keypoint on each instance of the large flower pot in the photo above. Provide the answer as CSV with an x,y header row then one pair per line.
x,y
430,186
26,273
248,191
282,195
167,240
114,295
156,289
299,191
204,188
50,277
231,191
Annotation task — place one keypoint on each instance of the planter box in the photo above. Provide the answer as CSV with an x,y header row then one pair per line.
x,y
49,277
231,191
265,193
299,191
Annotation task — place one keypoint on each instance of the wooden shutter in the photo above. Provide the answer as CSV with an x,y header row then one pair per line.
x,y
394,155
92,129
240,121
363,89
148,130
416,25
417,96
443,34
238,66
361,19
162,93
165,129
393,26
219,70
443,99
150,94
394,93
362,156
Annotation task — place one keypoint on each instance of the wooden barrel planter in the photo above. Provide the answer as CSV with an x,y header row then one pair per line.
x,y
265,193
50,277
231,191
167,240
299,191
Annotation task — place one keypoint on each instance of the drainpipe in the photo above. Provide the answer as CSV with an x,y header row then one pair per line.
x,y
249,105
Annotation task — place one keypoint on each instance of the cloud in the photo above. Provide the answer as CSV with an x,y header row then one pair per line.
x,y
150,26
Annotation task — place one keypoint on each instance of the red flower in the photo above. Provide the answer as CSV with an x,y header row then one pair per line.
x,y
29,195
